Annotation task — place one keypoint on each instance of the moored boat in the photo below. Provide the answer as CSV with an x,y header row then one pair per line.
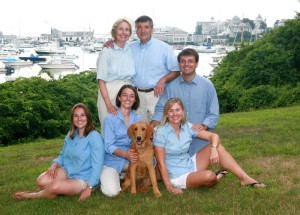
x,y
57,63
16,62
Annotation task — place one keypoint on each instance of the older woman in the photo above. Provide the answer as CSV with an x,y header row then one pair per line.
x,y
78,167
115,67
180,171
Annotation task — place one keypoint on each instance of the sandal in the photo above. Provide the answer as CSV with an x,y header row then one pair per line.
x,y
256,184
222,172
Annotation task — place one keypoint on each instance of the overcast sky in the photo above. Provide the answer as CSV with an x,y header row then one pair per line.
x,y
34,17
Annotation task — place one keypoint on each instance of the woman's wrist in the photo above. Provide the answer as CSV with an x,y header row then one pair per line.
x,y
213,145
168,185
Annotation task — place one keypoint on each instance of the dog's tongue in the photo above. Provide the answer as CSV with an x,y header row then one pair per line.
x,y
139,142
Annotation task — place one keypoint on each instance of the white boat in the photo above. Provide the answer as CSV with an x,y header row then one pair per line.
x,y
69,56
49,51
2,67
10,78
206,49
88,48
202,49
56,63
214,64
218,57
98,46
16,62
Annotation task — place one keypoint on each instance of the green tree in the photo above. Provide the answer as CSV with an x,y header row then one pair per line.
x,y
263,25
246,20
198,30
33,107
264,74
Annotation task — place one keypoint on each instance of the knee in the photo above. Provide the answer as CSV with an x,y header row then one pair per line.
x,y
211,178
110,191
42,180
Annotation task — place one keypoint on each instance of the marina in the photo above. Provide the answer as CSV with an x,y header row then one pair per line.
x,y
82,61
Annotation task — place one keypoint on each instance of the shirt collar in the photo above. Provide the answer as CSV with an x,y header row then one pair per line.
x,y
195,80
169,128
132,115
147,43
116,47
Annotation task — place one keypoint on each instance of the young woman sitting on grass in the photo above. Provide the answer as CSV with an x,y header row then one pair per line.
x,y
178,170
79,165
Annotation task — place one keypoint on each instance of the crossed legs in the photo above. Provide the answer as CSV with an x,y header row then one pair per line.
x,y
52,187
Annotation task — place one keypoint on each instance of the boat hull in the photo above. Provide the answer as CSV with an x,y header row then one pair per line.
x,y
57,66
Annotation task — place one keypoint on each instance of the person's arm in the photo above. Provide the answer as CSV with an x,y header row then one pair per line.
x,y
160,157
109,44
110,140
212,106
109,106
154,123
160,86
214,143
130,154
97,160
159,107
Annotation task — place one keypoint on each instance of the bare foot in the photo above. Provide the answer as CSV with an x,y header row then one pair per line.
x,y
22,195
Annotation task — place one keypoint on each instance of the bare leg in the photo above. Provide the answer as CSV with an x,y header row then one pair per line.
x,y
228,162
50,187
201,178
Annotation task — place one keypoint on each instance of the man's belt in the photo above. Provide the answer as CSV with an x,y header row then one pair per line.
x,y
145,90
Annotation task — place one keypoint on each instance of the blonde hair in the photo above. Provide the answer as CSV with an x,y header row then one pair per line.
x,y
167,108
116,24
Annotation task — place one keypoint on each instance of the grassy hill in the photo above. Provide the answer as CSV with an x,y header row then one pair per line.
x,y
265,143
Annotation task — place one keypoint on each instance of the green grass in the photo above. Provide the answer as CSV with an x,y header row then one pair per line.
x,y
265,143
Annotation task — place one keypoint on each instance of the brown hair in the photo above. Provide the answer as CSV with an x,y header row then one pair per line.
x,y
136,104
89,125
116,24
168,106
188,52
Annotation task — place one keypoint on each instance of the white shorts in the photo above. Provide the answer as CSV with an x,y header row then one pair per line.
x,y
180,182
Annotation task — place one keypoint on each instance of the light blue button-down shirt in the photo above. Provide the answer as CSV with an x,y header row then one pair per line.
x,y
83,157
201,104
115,137
152,60
178,160
115,64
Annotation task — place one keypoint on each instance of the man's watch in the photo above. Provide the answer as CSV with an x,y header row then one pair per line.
x,y
215,146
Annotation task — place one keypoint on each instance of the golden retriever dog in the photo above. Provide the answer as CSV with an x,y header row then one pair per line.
x,y
141,174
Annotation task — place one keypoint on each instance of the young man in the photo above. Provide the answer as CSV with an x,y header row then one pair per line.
x,y
197,94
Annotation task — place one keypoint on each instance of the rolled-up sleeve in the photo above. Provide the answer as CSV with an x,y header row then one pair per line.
x,y
60,158
97,158
110,137
102,65
213,112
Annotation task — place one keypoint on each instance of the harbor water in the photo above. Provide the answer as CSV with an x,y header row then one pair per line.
x,y
87,61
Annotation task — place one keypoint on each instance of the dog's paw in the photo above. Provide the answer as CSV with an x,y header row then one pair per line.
x,y
157,194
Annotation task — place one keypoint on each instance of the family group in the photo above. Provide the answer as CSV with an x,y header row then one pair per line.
x,y
142,80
